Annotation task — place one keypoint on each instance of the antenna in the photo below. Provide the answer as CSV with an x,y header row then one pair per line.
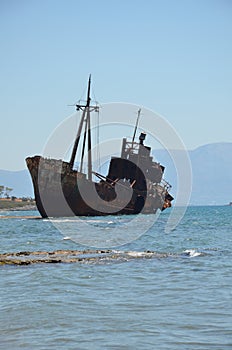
x,y
136,124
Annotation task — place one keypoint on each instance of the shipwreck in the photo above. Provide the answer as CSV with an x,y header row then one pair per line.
x,y
134,183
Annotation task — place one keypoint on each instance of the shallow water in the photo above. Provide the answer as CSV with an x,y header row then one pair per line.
x,y
182,300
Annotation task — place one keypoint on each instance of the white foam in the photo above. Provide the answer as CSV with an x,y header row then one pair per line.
x,y
192,253
135,254
62,220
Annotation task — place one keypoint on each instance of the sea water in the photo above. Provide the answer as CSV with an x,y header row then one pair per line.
x,y
181,299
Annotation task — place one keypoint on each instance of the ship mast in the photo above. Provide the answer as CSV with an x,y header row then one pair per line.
x,y
136,125
85,118
89,133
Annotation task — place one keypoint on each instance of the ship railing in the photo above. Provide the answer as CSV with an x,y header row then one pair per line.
x,y
166,184
131,146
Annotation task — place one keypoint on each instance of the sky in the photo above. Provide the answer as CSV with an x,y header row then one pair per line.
x,y
172,56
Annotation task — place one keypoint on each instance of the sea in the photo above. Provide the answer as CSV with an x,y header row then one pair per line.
x,y
178,298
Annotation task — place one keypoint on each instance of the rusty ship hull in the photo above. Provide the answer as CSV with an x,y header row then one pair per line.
x,y
60,191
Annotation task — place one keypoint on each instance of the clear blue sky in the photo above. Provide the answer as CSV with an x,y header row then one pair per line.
x,y
174,57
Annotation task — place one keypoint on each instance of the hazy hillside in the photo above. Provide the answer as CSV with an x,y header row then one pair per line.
x,y
211,169
20,181
211,173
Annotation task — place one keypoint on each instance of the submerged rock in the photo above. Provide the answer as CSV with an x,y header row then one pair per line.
x,y
71,256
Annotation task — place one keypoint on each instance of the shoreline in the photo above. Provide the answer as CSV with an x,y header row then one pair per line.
x,y
24,207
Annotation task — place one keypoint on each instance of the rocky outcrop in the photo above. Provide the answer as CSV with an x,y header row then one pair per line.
x,y
74,256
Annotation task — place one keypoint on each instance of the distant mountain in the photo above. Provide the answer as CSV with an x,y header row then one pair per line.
x,y
20,181
211,173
